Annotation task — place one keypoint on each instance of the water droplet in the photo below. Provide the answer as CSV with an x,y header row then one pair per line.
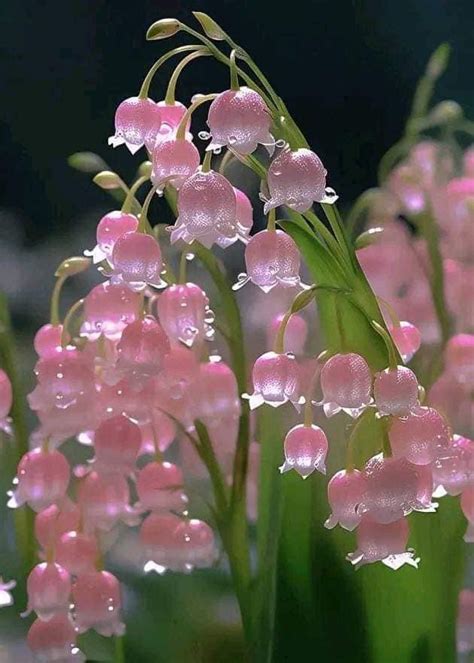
x,y
204,135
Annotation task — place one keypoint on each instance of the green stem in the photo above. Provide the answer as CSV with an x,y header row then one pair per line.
x,y
234,77
119,649
130,197
430,232
145,88
55,317
170,97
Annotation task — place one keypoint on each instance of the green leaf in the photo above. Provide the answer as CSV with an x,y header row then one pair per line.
x,y
212,29
166,27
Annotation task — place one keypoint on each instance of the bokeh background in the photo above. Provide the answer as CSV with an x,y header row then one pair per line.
x,y
346,70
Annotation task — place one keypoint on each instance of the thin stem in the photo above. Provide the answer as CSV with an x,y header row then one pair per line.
x,y
144,90
228,156
430,232
130,197
69,315
271,221
206,164
119,650
279,344
181,131
144,224
55,317
183,264
170,97
234,78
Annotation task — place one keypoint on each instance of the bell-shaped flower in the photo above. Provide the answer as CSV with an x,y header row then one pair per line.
x,y
136,260
117,442
54,640
407,338
346,490
42,479
6,400
171,116
184,313
48,587
160,487
467,506
215,394
305,448
104,501
111,226
386,543
141,351
98,603
47,341
453,469
296,333
460,358
170,543
137,123
346,383
276,380
297,178
108,309
271,259
396,391
240,119
77,552
54,521
174,161
419,436
393,489
207,210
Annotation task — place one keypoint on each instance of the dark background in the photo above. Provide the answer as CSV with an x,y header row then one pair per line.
x,y
346,70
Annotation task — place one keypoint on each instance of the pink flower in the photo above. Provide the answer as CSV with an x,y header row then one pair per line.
x,y
111,226
393,489
419,436
297,179
108,309
160,487
54,640
296,332
97,603
239,119
43,478
54,521
346,490
117,442
346,382
6,400
275,379
305,450
407,338
460,358
215,394
136,261
465,622
171,116
386,543
174,161
141,351
48,587
184,313
173,544
467,506
137,123
104,501
77,552
453,469
47,341
396,391
271,259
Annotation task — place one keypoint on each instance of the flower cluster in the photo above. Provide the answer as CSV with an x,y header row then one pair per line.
x,y
128,372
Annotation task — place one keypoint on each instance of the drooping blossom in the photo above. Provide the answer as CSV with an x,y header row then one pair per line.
x,y
453,468
104,500
239,119
271,259
47,341
174,161
171,116
117,442
54,640
386,543
419,436
346,490
141,351
346,383
77,552
207,210
170,543
48,587
6,399
407,338
459,356
275,379
137,261
137,123
108,309
215,394
160,487
97,603
305,450
297,179
184,313
110,227
396,391
393,488
42,479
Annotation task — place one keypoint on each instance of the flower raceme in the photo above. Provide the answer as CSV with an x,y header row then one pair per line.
x,y
129,372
